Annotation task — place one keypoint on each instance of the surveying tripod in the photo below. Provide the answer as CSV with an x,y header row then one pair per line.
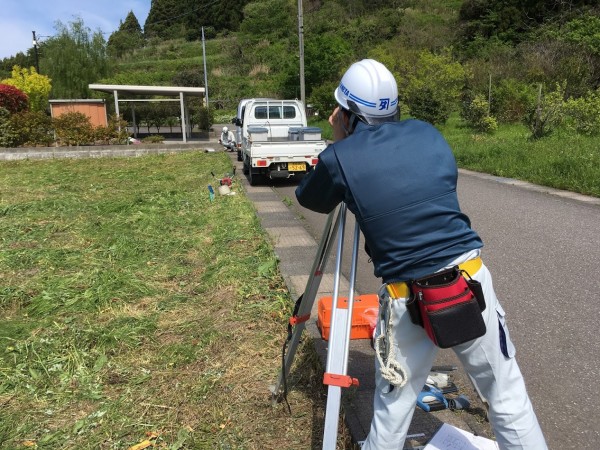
x,y
341,323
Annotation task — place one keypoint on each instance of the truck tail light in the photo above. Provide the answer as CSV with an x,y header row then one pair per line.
x,y
261,163
314,161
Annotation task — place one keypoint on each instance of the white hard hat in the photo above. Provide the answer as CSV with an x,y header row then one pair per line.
x,y
369,90
225,129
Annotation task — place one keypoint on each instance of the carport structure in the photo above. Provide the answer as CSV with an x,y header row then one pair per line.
x,y
164,91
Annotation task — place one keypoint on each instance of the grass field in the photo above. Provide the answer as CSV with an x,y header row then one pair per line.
x,y
135,311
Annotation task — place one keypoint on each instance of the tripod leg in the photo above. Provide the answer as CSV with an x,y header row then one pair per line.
x,y
339,342
306,301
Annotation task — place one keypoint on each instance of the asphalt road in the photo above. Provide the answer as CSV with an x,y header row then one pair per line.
x,y
544,253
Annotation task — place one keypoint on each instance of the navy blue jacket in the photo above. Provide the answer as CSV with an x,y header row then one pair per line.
x,y
399,180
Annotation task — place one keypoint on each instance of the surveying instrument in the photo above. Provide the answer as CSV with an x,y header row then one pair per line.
x,y
341,322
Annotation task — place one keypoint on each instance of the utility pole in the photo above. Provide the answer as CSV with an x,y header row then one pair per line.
x,y
204,59
301,44
35,49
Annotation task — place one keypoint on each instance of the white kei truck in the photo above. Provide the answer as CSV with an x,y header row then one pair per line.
x,y
274,140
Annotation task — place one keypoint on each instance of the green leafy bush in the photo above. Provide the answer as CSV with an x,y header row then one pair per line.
x,y
512,100
115,133
204,118
74,128
433,87
34,128
423,104
548,113
8,135
153,139
583,114
322,99
477,115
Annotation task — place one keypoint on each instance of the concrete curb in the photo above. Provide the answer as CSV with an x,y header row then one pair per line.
x,y
534,187
99,151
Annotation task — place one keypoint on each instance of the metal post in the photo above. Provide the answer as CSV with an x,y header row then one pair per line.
x,y
301,45
116,95
183,117
134,122
35,49
204,59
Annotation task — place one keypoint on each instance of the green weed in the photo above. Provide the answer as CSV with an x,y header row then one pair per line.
x,y
563,160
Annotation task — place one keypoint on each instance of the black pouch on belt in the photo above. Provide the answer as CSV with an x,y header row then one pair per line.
x,y
412,306
449,310
476,289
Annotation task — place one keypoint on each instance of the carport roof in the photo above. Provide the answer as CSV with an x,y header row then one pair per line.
x,y
148,90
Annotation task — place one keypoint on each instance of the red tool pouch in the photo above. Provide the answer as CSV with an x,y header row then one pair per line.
x,y
450,313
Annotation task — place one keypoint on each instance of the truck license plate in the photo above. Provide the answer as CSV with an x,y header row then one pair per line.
x,y
296,166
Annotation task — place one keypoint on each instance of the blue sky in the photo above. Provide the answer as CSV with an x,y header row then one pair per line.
x,y
18,18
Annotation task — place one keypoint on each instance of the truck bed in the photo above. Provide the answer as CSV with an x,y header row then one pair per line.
x,y
285,150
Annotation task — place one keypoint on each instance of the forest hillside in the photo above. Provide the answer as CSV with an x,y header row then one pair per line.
x,y
445,53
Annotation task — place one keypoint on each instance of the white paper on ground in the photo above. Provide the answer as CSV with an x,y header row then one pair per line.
x,y
449,437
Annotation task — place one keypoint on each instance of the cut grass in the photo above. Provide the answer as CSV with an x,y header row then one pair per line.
x,y
135,308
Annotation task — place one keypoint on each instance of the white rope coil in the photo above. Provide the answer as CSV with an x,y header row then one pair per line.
x,y
390,369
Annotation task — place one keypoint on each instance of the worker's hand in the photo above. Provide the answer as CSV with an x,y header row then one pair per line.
x,y
338,122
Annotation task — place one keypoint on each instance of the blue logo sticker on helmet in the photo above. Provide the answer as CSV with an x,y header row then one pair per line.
x,y
384,103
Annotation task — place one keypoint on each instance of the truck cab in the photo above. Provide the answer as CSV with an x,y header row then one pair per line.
x,y
238,121
275,139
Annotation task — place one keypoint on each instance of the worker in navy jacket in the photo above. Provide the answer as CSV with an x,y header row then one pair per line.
x,y
399,178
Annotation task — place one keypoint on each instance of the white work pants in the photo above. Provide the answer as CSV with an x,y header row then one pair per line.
x,y
498,378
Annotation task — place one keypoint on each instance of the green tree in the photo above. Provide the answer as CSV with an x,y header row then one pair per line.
x,y
131,25
432,87
166,19
188,77
20,59
224,15
36,86
127,38
322,100
73,59
325,57
511,19
270,20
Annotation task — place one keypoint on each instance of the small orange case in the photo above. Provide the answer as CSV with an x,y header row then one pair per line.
x,y
364,315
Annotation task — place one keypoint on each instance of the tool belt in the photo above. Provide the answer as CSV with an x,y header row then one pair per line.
x,y
448,304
